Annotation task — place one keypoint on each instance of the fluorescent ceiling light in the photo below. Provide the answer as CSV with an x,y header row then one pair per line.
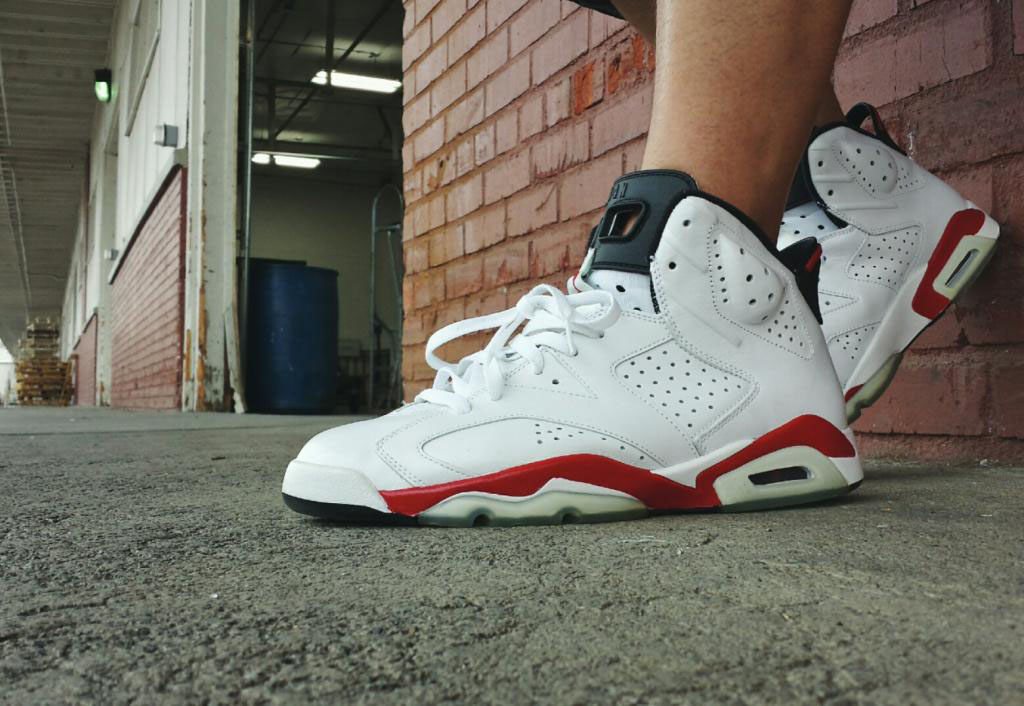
x,y
357,82
287,160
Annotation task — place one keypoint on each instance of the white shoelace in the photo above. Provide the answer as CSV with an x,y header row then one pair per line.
x,y
555,318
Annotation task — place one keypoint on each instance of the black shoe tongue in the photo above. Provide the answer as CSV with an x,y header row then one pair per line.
x,y
650,196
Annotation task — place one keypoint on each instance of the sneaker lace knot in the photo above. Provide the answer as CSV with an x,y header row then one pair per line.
x,y
553,319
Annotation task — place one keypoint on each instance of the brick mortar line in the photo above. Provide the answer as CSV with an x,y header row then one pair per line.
x,y
925,436
601,48
897,25
435,41
526,146
574,120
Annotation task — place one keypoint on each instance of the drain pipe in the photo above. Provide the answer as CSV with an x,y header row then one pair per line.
x,y
386,230
246,215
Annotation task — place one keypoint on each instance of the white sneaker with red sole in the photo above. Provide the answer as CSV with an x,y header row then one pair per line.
x,y
710,386
898,245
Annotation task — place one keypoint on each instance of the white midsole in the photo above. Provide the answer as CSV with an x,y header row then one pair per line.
x,y
345,486
556,497
331,484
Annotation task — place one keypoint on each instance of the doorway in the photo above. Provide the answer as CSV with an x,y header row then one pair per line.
x,y
321,189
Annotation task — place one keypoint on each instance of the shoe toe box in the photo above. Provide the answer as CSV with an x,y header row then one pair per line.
x,y
361,447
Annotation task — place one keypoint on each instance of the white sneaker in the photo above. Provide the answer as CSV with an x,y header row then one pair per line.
x,y
688,373
898,246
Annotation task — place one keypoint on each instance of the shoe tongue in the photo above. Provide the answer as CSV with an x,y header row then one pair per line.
x,y
619,257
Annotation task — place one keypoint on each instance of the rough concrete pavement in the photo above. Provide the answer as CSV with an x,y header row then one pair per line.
x,y
159,565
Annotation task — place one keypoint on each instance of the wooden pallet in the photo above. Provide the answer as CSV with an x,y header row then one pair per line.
x,y
41,377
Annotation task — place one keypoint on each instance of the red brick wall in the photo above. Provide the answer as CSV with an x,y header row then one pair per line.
x,y
147,307
520,113
85,368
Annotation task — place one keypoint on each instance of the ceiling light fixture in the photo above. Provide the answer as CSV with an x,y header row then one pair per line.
x,y
288,160
103,84
357,82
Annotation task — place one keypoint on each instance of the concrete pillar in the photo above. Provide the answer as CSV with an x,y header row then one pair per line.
x,y
106,225
210,271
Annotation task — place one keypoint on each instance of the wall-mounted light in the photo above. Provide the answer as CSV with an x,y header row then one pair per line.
x,y
286,160
103,85
357,82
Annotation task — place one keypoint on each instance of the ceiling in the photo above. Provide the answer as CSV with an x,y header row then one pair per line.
x,y
360,130
48,51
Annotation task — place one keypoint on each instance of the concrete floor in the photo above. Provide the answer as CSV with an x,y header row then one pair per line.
x,y
148,557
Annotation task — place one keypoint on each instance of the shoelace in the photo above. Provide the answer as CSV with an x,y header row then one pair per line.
x,y
555,318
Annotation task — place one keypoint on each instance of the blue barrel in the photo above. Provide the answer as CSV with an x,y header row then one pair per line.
x,y
292,338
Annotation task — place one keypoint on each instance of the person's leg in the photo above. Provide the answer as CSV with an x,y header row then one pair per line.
x,y
736,94
720,102
829,108
642,14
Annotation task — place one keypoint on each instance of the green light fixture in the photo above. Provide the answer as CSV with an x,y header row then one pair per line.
x,y
103,85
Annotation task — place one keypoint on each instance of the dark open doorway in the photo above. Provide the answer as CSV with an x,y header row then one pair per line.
x,y
323,187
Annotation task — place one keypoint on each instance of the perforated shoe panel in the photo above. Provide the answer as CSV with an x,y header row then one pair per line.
x,y
631,289
873,165
555,377
751,294
805,220
848,346
884,259
831,301
691,393
523,440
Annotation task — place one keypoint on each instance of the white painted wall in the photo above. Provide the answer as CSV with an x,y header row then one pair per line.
x,y
126,166
327,224
164,100
7,382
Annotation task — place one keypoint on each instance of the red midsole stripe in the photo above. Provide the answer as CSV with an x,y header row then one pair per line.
x,y
655,491
927,302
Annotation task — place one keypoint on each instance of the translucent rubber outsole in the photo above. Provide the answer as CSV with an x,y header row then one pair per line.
x,y
790,476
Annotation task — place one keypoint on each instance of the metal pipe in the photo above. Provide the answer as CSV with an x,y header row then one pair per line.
x,y
246,216
271,111
329,38
341,59
374,231
395,233
280,24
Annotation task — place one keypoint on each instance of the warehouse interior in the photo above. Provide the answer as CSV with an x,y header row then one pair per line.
x,y
48,52
326,170
148,177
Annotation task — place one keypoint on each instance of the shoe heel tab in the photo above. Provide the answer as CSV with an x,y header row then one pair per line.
x,y
856,116
803,259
